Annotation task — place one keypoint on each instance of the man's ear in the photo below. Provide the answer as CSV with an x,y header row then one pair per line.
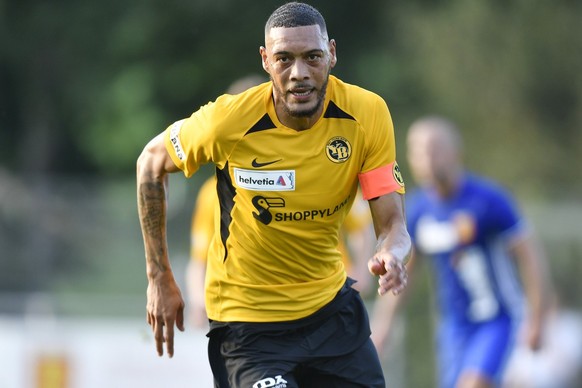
x,y
332,52
264,60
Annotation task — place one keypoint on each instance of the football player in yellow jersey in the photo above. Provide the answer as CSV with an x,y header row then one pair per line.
x,y
289,155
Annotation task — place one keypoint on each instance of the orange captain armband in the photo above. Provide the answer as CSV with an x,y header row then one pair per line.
x,y
380,181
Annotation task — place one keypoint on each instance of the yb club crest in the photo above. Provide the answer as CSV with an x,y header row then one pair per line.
x,y
338,149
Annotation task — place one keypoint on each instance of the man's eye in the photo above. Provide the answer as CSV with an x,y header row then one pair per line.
x,y
314,57
283,59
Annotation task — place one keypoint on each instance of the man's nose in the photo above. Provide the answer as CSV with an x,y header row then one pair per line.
x,y
299,70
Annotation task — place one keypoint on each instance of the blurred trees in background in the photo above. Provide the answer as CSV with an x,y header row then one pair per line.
x,y
84,84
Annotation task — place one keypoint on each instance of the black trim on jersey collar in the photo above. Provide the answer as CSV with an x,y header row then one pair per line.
x,y
333,112
263,124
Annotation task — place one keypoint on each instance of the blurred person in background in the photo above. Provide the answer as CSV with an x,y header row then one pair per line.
x,y
201,233
471,231
289,155
356,244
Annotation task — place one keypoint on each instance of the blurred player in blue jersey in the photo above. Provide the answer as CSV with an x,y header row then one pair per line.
x,y
478,245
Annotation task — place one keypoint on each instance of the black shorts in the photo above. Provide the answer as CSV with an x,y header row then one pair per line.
x,y
330,348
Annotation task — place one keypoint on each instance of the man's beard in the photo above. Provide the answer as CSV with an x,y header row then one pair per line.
x,y
300,113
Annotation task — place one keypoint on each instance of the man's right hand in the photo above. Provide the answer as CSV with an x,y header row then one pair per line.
x,y
165,308
391,271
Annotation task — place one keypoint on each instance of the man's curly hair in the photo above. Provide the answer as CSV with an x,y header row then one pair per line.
x,y
295,14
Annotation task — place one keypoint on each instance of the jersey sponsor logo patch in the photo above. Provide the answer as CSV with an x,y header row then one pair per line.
x,y
263,204
397,174
266,212
175,139
276,180
257,164
338,149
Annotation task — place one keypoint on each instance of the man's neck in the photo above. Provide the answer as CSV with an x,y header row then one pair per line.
x,y
297,123
449,186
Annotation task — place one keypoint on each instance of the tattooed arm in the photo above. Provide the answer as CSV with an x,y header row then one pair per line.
x,y
165,306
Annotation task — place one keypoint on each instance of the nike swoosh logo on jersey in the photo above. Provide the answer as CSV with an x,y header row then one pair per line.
x,y
257,164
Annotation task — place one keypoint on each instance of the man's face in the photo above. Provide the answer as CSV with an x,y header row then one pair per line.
x,y
298,60
431,155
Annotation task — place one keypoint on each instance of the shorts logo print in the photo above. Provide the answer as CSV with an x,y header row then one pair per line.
x,y
270,382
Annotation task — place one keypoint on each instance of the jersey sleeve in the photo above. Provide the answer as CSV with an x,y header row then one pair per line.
x,y
197,140
380,173
504,216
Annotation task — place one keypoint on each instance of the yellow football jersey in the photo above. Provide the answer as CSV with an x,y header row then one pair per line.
x,y
283,195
